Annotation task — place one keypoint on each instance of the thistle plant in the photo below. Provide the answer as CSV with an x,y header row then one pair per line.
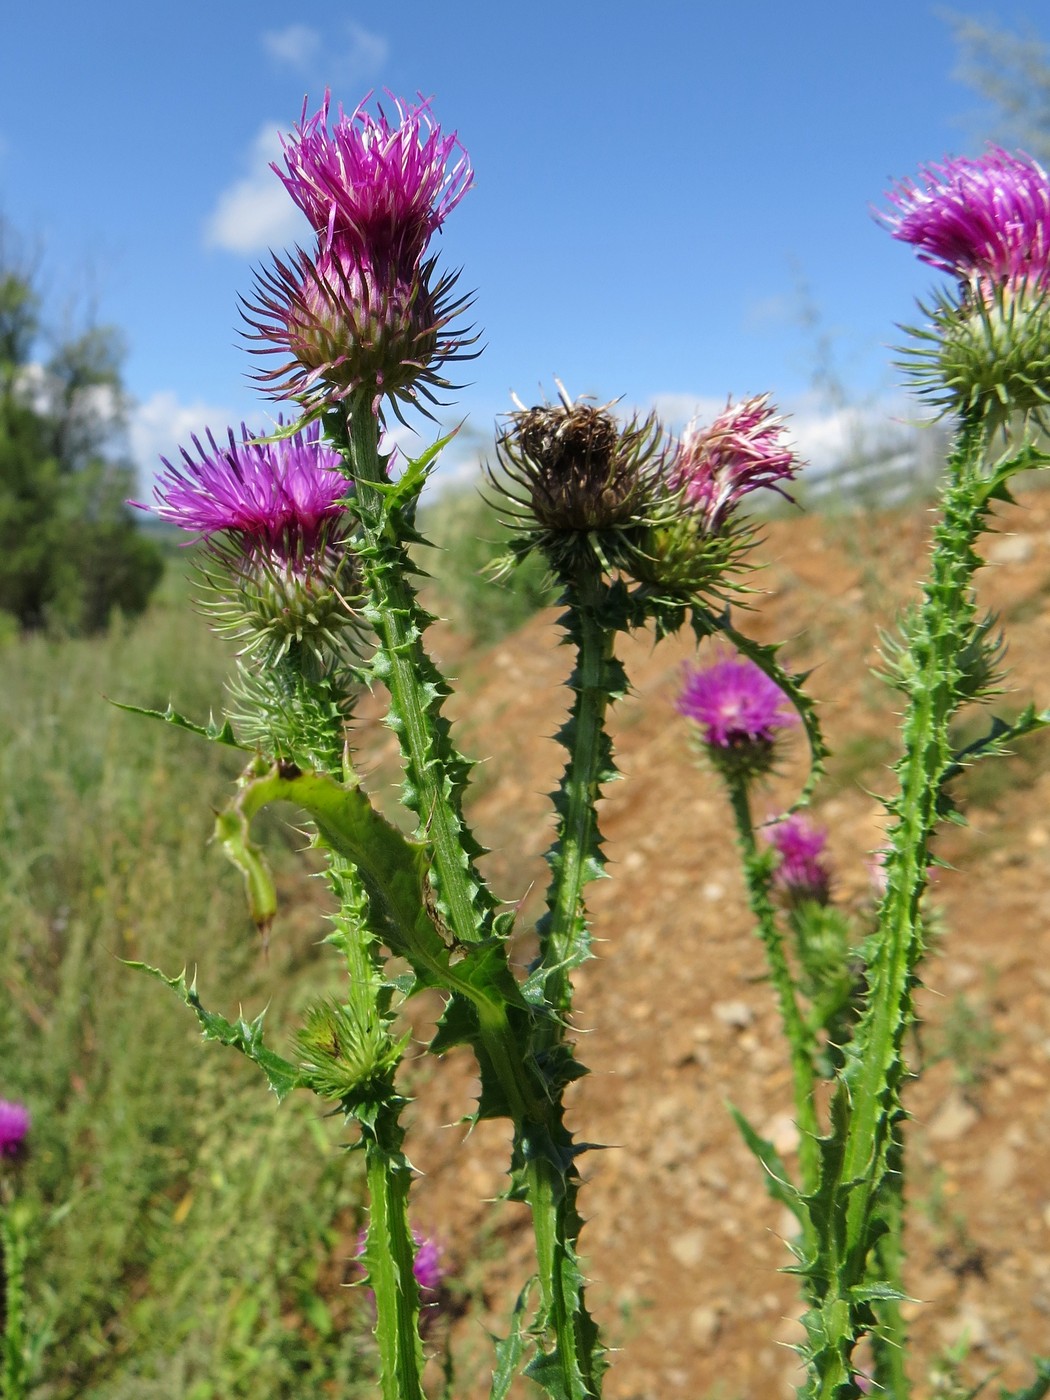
x,y
982,357
15,1341
305,566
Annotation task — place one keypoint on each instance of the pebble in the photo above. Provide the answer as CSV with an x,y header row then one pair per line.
x,y
704,1325
688,1248
734,1013
783,1133
1010,549
954,1118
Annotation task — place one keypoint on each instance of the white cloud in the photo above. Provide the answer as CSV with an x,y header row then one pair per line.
x,y
255,212
676,410
296,47
355,58
162,424
823,437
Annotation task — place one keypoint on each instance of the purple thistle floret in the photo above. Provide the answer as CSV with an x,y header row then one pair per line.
x,y
14,1126
735,704
984,218
279,496
800,872
427,1267
743,450
384,188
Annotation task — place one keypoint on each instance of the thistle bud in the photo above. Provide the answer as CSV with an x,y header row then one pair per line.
x,y
696,539
575,476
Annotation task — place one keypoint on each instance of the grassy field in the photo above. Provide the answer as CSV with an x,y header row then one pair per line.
x,y
183,1228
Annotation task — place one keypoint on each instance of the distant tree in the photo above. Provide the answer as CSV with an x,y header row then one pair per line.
x,y
1012,70
70,549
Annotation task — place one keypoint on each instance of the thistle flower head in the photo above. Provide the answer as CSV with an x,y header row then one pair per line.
x,y
275,518
987,218
384,189
696,541
740,713
743,450
985,352
362,313
14,1127
279,495
800,872
573,474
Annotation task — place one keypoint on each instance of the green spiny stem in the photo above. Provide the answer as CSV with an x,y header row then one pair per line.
x,y
575,859
890,1337
861,1158
799,1035
432,771
389,1257
946,621
577,1357
376,1106
416,691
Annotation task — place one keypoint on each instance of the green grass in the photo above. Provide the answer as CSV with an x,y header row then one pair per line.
x,y
184,1238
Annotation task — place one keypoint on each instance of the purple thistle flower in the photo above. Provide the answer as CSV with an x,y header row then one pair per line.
x,y
740,452
987,218
386,189
14,1125
739,710
800,873
427,1267
279,496
276,521
362,312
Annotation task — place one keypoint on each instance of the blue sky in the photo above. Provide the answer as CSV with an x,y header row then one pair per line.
x,y
656,184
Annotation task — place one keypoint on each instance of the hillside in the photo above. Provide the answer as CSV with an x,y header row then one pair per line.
x,y
683,1246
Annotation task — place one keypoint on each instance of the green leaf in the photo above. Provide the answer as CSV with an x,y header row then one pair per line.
x,y
510,1349
215,733
994,743
778,1182
231,831
245,1036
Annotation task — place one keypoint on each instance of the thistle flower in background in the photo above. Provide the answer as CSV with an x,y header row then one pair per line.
x,y
427,1267
800,873
14,1127
986,221
275,519
697,539
362,312
740,714
573,476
